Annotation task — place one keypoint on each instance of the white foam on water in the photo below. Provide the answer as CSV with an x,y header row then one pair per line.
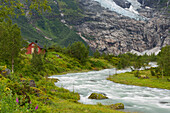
x,y
135,98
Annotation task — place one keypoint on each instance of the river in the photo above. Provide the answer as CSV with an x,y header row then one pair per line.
x,y
135,98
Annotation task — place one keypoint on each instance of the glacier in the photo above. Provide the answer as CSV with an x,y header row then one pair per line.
x,y
131,12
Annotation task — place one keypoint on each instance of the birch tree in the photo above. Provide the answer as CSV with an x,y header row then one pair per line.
x,y
10,42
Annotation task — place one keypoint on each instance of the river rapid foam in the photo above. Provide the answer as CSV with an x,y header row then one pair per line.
x,y
135,98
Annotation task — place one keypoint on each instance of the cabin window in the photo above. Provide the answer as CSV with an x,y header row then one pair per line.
x,y
32,44
37,49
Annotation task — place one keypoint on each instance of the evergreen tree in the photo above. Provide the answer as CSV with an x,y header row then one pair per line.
x,y
79,51
96,54
37,61
164,61
137,64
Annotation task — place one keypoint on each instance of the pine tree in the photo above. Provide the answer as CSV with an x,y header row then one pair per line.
x,y
37,61
164,61
79,51
96,54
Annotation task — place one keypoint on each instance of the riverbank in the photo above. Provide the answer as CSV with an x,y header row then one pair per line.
x,y
27,87
129,79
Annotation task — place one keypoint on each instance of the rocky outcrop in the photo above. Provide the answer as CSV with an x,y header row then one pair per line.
x,y
97,96
122,3
117,106
143,77
154,3
113,33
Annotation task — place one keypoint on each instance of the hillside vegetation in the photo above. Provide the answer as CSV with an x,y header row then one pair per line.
x,y
158,77
47,27
29,89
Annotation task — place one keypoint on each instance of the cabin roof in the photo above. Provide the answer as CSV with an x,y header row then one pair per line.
x,y
39,45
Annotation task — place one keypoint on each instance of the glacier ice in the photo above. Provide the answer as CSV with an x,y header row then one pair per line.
x,y
132,13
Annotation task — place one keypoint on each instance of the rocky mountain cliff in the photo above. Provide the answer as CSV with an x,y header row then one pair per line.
x,y
111,26
119,26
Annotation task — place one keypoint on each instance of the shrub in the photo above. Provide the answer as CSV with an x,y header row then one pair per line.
x,y
152,72
136,73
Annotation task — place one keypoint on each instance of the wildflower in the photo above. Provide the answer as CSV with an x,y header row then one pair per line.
x,y
7,89
36,107
30,102
17,100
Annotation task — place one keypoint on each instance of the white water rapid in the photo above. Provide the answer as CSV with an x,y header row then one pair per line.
x,y
135,98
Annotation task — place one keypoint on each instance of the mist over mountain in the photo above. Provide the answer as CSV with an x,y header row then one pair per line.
x,y
111,26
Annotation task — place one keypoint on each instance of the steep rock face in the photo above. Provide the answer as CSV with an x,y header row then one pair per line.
x,y
122,3
111,32
154,3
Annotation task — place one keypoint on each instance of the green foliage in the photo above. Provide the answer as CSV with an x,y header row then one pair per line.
x,y
37,61
130,79
70,8
97,63
46,95
47,28
10,42
152,72
79,51
164,61
96,54
136,73
14,8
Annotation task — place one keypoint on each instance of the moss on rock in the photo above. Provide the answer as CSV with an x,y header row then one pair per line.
x,y
97,96
117,106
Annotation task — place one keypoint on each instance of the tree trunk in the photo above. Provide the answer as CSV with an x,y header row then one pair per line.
x,y
12,64
162,73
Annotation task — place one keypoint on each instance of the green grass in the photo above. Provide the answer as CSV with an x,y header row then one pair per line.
x,y
59,100
129,79
65,64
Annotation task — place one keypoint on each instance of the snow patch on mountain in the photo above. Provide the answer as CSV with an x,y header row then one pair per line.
x,y
131,12
136,5
155,51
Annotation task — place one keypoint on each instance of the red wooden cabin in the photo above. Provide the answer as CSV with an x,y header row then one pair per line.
x,y
31,47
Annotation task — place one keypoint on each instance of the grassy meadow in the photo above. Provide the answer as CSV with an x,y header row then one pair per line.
x,y
129,79
18,96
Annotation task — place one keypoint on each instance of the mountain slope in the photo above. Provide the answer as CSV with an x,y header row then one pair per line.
x,y
48,28
111,26
116,31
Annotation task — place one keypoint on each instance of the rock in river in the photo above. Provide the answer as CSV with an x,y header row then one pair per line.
x,y
117,106
97,96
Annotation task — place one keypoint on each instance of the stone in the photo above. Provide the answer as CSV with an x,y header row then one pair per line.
x,y
97,96
143,76
117,106
6,72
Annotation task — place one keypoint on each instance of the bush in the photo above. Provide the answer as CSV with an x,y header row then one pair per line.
x,y
97,63
79,51
152,72
136,73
